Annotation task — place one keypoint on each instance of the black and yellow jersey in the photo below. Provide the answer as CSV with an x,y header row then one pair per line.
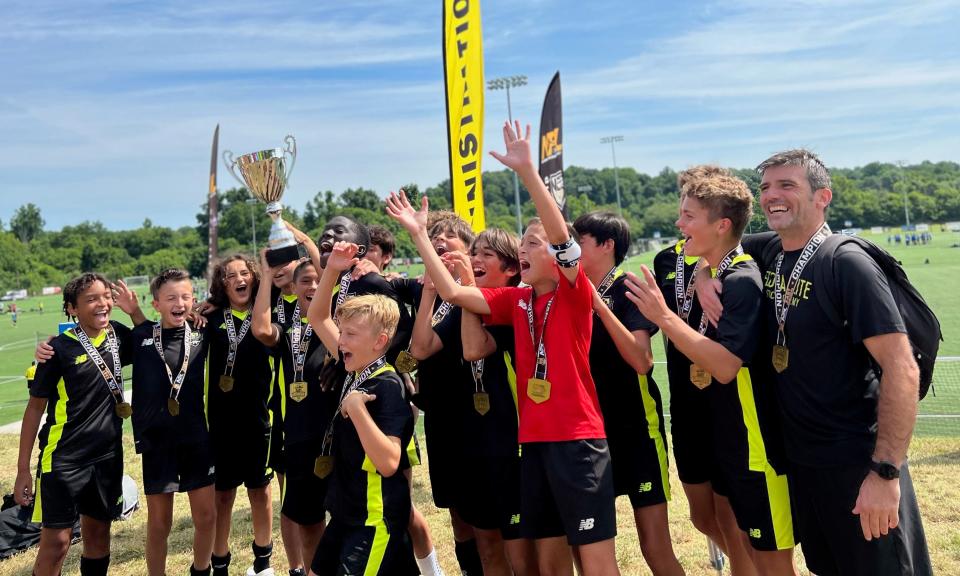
x,y
358,495
152,421
491,437
306,411
82,426
282,315
244,406
664,268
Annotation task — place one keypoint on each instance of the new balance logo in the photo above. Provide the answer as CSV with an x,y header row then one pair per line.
x,y
645,487
147,342
80,359
586,524
755,533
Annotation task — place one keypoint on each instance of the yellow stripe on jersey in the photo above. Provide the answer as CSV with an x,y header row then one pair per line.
x,y
511,381
270,412
56,430
37,505
778,491
688,260
96,340
653,428
375,512
206,391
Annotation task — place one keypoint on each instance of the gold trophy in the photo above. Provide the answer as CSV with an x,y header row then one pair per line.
x,y
266,174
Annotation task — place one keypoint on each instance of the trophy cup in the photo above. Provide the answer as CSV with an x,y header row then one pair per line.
x,y
265,174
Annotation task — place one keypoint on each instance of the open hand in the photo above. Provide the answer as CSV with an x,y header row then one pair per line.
x,y
878,505
362,268
125,298
646,295
518,148
344,256
399,208
44,351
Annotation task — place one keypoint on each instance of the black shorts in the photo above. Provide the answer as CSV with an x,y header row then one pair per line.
x,y
691,420
444,453
640,464
490,497
277,458
174,467
304,493
830,534
374,549
94,490
242,458
567,489
762,506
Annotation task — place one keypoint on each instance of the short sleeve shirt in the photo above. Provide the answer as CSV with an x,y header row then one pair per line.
x,y
573,411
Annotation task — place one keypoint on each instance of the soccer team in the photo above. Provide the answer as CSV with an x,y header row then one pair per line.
x,y
531,360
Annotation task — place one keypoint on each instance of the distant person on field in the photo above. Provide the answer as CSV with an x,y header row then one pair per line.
x,y
30,373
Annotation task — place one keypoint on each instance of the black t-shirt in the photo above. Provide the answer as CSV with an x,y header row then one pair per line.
x,y
81,426
242,411
665,270
377,284
620,395
491,438
358,494
747,433
829,408
283,309
152,422
304,421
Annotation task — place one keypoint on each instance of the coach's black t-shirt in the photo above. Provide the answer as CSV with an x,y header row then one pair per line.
x,y
830,410
621,396
678,365
241,412
747,433
81,425
304,420
358,495
152,422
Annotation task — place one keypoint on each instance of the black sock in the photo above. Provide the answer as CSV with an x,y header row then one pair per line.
x,y
194,571
468,558
220,564
94,566
298,572
261,557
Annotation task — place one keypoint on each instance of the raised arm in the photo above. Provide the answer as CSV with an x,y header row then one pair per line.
x,y
517,158
424,342
702,351
309,245
341,259
127,300
261,327
415,222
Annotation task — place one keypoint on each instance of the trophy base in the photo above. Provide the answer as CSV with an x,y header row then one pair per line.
x,y
280,256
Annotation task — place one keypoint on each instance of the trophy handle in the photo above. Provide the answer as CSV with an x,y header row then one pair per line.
x,y
231,165
290,150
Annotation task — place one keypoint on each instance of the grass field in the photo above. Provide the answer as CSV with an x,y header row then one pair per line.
x,y
935,453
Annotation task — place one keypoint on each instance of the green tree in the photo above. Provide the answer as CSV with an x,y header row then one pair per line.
x,y
27,223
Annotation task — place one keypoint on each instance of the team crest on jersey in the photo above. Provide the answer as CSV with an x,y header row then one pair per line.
x,y
195,338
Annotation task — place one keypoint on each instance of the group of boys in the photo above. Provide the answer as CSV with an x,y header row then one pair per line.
x,y
531,361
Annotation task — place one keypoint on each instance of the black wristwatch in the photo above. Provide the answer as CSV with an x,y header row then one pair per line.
x,y
885,470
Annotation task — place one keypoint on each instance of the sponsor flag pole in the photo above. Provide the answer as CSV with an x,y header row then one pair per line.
x,y
551,143
212,207
463,80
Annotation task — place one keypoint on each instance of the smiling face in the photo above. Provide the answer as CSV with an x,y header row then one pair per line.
x,y
93,307
792,208
283,275
489,269
338,229
360,342
238,280
695,223
173,301
305,285
446,240
536,263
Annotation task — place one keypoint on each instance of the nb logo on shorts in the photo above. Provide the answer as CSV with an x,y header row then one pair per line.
x,y
515,519
586,524
755,533
646,487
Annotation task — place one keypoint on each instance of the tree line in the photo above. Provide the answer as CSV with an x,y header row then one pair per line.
x,y
32,257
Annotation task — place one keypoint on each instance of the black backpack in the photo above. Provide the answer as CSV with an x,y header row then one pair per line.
x,y
923,327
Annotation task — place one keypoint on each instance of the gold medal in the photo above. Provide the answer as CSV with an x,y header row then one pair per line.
x,y
173,406
406,363
123,410
323,466
538,390
481,402
700,377
781,357
226,383
298,391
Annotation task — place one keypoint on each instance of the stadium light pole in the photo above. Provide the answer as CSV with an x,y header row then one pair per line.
x,y
612,140
253,224
506,83
906,202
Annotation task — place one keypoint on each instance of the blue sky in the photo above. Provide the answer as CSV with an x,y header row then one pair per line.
x,y
107,109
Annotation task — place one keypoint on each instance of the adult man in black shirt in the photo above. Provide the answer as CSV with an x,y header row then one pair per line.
x,y
846,432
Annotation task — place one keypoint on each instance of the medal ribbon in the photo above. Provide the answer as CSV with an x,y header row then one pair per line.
x,y
683,293
114,380
175,383
608,280
783,299
724,264
342,289
281,314
354,381
477,368
299,344
234,338
540,370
